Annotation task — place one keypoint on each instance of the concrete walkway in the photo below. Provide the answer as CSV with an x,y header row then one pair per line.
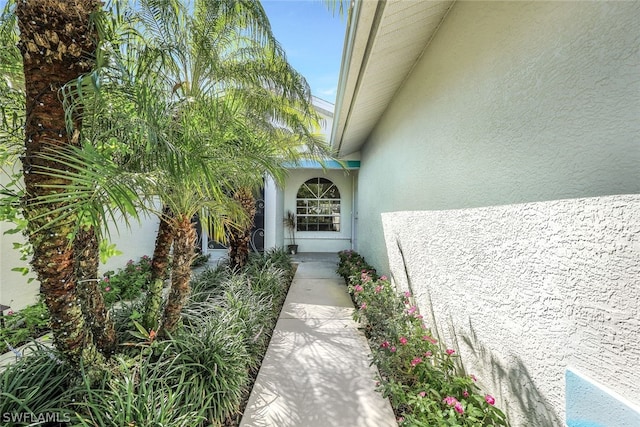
x,y
316,371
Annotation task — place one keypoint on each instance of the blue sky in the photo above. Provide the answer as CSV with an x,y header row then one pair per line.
x,y
313,39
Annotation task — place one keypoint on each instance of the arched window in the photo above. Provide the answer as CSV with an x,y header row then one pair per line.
x,y
318,206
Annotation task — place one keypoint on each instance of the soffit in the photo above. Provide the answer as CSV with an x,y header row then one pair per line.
x,y
387,40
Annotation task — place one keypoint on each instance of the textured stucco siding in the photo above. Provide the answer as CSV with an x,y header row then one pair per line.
x,y
529,290
15,289
512,102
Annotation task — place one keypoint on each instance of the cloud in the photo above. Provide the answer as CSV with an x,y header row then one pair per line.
x,y
328,94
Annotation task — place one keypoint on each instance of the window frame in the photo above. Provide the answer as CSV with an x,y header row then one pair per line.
x,y
318,206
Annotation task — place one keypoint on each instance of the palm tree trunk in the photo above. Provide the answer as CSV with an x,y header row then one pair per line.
x,y
87,255
56,42
159,267
240,238
183,254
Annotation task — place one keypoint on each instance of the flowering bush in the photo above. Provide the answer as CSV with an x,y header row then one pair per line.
x,y
24,325
418,374
126,283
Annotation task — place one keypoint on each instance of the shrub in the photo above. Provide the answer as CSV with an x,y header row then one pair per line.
x,y
126,283
200,376
420,376
22,326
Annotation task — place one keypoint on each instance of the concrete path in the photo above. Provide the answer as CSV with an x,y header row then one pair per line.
x,y
316,371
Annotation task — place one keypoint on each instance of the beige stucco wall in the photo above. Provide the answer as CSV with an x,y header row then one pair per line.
x,y
526,291
512,102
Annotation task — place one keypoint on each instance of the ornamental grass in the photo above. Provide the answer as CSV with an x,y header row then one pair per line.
x,y
200,376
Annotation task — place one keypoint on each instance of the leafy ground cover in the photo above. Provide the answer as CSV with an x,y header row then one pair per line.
x,y
32,322
202,375
422,377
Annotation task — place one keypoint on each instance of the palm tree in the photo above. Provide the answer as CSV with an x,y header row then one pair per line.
x,y
57,42
230,56
187,107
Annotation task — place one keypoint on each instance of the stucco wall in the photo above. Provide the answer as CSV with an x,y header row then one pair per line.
x,y
529,290
15,289
511,102
135,242
18,292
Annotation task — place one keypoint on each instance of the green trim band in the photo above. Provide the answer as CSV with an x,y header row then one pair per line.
x,y
328,164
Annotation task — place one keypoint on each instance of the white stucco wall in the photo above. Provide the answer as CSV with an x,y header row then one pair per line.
x,y
135,242
322,241
15,289
530,290
511,102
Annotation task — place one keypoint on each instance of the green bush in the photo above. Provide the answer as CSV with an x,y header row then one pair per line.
x,y
421,377
127,283
200,376
22,326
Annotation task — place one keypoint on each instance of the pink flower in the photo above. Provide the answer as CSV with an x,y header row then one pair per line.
x,y
385,344
450,351
428,338
490,399
418,316
130,262
393,349
378,289
403,340
383,277
473,377
106,279
465,393
422,394
458,407
428,354
416,361
450,400
363,306
400,419
407,294
10,313
412,310
107,289
358,288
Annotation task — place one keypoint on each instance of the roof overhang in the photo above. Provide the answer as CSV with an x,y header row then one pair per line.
x,y
384,40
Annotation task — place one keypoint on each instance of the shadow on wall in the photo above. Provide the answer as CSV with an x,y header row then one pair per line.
x,y
531,403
